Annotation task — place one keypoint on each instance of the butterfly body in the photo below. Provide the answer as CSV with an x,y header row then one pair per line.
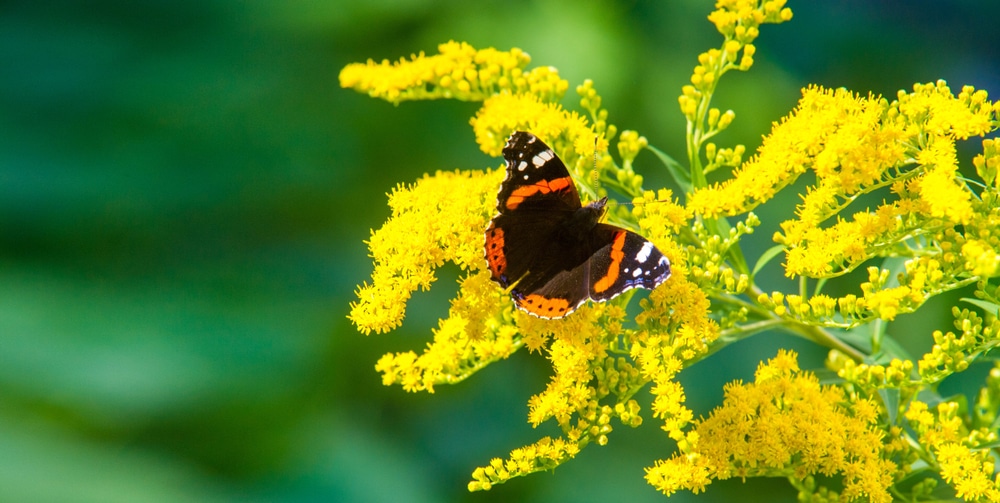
x,y
552,252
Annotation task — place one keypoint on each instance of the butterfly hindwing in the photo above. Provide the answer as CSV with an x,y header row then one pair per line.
x,y
627,261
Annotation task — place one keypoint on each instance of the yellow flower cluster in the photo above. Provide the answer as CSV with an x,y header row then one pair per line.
x,y
923,277
870,378
708,259
675,331
827,129
440,218
459,71
856,146
471,337
586,375
955,446
543,455
660,222
958,453
579,346
784,424
566,132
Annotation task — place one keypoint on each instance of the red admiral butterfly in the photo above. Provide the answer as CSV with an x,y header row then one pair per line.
x,y
553,250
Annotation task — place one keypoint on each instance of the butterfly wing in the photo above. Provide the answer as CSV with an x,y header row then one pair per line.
x,y
537,180
536,197
616,260
548,250
623,260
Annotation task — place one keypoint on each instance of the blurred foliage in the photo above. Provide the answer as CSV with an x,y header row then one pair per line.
x,y
184,192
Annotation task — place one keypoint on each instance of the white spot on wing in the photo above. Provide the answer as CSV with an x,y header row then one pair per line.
x,y
542,158
522,165
637,272
643,254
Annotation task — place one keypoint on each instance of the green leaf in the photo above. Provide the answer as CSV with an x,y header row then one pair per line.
x,y
989,445
892,349
859,337
895,266
766,257
677,172
989,307
890,397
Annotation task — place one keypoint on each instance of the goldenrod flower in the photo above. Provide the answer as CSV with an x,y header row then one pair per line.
x,y
784,424
981,257
566,132
970,472
437,219
962,463
459,71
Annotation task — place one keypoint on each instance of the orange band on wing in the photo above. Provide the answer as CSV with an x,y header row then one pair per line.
x,y
614,268
541,187
544,306
495,257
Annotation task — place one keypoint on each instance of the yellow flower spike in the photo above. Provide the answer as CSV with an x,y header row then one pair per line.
x,y
455,72
630,144
564,131
970,473
981,259
784,415
431,223
844,168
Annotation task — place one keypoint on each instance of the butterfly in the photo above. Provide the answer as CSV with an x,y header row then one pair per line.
x,y
551,251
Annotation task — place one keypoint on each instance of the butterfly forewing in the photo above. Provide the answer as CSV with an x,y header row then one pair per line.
x,y
536,178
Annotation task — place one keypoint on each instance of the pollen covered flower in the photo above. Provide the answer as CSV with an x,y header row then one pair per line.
x,y
566,132
856,146
962,463
458,71
784,424
969,472
833,132
440,218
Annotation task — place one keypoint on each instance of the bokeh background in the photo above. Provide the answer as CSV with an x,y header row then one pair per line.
x,y
184,192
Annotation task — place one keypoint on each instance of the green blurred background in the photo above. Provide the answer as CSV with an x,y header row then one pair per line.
x,y
184,191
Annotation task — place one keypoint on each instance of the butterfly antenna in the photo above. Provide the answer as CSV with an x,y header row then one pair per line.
x,y
593,173
595,177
